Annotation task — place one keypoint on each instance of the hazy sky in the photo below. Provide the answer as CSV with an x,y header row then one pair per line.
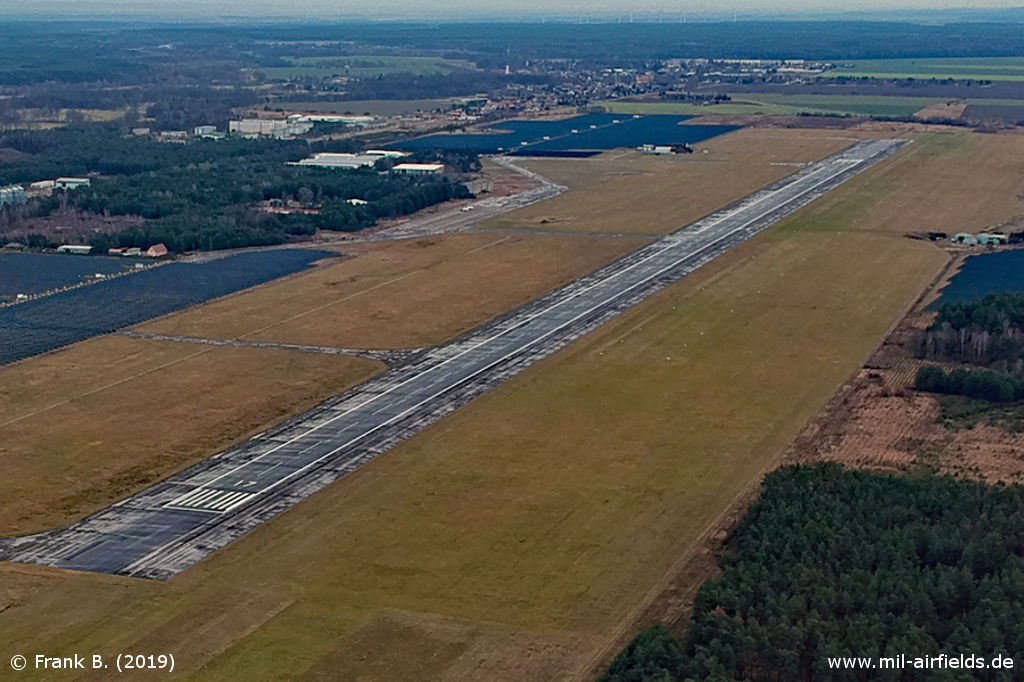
x,y
440,9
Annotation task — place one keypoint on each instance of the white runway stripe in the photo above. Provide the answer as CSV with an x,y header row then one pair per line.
x,y
215,500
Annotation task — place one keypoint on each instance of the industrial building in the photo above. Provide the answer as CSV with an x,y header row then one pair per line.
x,y
71,183
992,239
351,121
985,238
76,249
386,153
337,160
42,188
208,132
13,194
964,238
348,161
654,149
258,127
419,168
176,136
665,149
296,124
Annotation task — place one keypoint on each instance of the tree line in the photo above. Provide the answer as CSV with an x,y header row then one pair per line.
x,y
107,150
832,562
206,214
980,383
988,331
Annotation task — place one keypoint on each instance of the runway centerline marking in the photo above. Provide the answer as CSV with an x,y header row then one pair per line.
x,y
145,535
670,244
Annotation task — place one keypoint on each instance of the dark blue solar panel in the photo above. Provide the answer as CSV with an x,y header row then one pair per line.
x,y
37,326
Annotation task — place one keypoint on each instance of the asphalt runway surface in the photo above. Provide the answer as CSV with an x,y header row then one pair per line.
x,y
467,216
172,525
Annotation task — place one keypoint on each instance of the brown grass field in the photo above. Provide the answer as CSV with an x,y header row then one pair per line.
x,y
626,191
519,538
403,294
984,189
423,292
88,425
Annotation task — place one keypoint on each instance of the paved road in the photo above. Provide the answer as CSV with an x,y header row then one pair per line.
x,y
164,529
466,217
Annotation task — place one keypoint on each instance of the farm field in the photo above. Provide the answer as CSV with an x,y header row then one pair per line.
x,y
775,104
403,294
973,68
779,104
363,66
673,190
982,189
849,104
519,538
62,116
86,426
1009,112
377,107
688,108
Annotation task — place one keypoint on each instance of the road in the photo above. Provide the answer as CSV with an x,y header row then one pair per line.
x,y
466,217
174,524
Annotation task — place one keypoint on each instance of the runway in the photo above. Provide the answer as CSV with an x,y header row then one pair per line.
x,y
174,524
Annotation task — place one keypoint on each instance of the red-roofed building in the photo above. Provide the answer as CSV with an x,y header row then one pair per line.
x,y
157,250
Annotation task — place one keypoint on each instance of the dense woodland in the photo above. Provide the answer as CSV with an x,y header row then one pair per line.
x,y
988,331
986,337
983,384
207,194
77,150
831,562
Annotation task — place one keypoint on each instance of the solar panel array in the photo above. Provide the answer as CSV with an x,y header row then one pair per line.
x,y
588,132
35,273
50,322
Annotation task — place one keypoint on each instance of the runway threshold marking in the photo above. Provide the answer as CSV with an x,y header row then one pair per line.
x,y
210,500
